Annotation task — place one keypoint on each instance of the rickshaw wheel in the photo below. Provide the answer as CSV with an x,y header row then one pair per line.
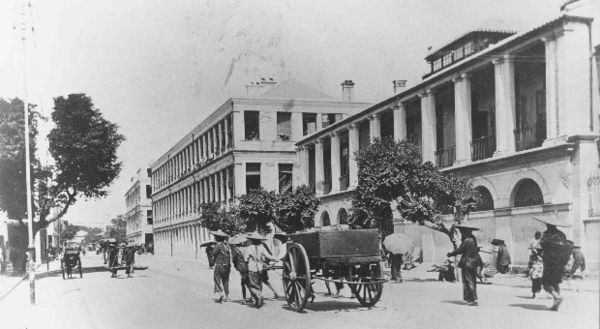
x,y
369,290
62,268
296,277
80,268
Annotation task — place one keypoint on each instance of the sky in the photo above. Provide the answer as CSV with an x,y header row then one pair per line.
x,y
158,68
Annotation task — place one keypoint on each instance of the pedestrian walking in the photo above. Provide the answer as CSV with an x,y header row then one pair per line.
x,y
129,259
556,250
209,255
503,259
533,245
113,258
469,262
396,267
256,256
536,269
578,261
222,264
238,246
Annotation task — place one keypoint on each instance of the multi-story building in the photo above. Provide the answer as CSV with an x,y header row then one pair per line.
x,y
138,202
517,114
245,144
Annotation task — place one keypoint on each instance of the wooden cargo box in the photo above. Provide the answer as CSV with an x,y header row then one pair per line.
x,y
343,246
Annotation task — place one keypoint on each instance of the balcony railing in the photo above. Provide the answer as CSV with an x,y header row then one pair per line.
x,y
344,182
483,147
326,186
445,157
530,136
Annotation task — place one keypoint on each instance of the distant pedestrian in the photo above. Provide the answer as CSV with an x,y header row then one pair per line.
x,y
237,254
533,245
222,259
469,262
396,267
129,259
536,270
209,255
556,250
503,259
113,259
578,261
256,256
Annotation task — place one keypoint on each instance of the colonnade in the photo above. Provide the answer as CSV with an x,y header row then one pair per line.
x,y
182,241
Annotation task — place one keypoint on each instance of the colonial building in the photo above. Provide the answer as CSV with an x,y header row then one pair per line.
x,y
138,202
244,144
518,114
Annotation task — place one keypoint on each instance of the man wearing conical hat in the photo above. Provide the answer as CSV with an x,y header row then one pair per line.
x,y
469,262
256,255
556,250
222,263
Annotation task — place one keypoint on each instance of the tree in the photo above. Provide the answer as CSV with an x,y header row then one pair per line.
x,y
257,209
13,192
69,232
83,146
94,234
296,209
117,228
393,171
214,217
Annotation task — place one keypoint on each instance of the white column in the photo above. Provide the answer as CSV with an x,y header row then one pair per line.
x,y
304,164
375,126
399,122
226,128
238,126
218,138
428,126
226,185
504,80
319,172
352,149
297,126
335,162
462,118
239,176
574,90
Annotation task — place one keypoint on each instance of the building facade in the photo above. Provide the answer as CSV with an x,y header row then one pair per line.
x,y
517,114
245,144
139,215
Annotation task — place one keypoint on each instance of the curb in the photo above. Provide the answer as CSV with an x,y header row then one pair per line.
x,y
24,278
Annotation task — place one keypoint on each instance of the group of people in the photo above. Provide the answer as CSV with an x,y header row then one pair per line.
x,y
250,258
548,259
127,257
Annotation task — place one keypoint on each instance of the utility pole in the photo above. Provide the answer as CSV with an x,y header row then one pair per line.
x,y
24,28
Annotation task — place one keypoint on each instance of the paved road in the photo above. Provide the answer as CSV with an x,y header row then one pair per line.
x,y
178,294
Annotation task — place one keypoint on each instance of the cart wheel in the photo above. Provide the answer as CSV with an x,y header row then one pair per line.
x,y
80,268
62,268
368,292
296,277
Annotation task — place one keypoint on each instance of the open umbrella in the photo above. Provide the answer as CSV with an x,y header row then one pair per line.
x,y
398,243
208,243
237,239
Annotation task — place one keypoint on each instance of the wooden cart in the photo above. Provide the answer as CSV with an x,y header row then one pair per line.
x,y
349,257
69,261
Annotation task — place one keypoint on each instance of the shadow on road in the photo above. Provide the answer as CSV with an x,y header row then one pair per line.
x,y
535,307
86,270
455,302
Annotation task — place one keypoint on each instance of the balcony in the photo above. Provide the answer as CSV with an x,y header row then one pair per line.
x,y
445,157
482,148
529,137
326,186
344,182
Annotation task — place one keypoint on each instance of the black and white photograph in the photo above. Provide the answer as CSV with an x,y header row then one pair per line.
x,y
356,164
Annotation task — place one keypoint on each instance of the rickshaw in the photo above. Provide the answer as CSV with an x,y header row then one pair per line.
x,y
345,256
71,259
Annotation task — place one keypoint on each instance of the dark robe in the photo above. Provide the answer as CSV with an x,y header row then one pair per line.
x,y
556,252
469,261
222,261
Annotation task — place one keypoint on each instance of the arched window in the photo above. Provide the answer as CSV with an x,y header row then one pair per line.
x,y
527,193
343,216
325,219
484,199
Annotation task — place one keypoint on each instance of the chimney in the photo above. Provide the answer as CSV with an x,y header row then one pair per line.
x,y
398,86
347,91
255,89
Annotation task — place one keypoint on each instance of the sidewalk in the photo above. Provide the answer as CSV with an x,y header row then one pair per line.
x,y
9,282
